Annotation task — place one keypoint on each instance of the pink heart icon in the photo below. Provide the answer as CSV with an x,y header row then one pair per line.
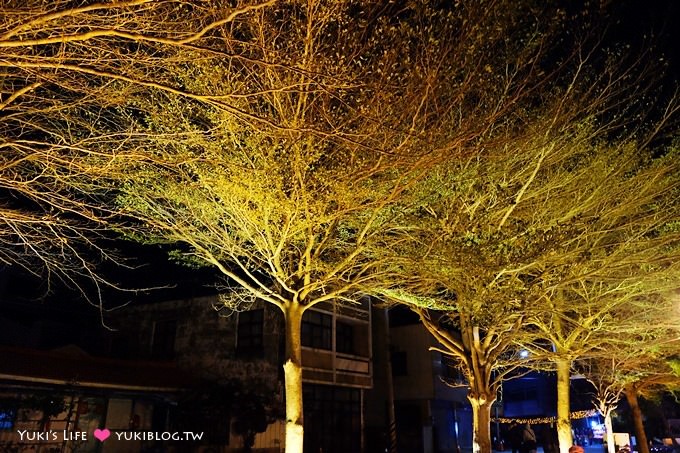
x,y
102,434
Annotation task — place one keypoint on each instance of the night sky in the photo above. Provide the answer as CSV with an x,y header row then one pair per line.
x,y
655,22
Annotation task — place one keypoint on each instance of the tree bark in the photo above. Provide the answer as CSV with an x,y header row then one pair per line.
x,y
292,373
481,424
640,435
563,421
609,432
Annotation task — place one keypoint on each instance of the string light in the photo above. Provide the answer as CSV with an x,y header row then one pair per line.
x,y
534,421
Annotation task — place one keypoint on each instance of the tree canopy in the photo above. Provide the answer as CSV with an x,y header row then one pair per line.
x,y
452,157
562,242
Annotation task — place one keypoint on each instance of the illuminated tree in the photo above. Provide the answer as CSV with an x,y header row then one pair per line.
x,y
604,375
59,61
639,373
623,254
44,228
284,144
558,243
276,144
643,361
656,376
451,269
271,141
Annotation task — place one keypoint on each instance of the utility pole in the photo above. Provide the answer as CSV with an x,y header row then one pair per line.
x,y
390,386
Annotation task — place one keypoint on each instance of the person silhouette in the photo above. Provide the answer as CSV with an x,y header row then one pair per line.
x,y
529,444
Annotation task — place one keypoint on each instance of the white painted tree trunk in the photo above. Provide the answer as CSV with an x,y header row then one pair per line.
x,y
611,448
563,420
292,373
481,425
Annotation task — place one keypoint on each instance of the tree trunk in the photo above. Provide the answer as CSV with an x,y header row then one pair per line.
x,y
292,372
640,436
609,430
481,424
563,420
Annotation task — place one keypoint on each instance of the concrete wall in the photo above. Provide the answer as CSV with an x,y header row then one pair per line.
x,y
205,342
418,383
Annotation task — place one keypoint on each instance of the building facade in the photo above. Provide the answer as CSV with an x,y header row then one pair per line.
x,y
53,400
432,413
248,346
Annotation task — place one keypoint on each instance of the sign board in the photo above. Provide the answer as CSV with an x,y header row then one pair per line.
x,y
621,439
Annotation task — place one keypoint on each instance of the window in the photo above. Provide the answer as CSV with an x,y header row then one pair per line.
x,y
316,330
163,342
344,337
7,418
523,394
249,335
331,410
399,365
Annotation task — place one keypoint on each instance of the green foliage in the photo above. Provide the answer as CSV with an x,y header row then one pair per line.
x,y
562,230
674,363
291,156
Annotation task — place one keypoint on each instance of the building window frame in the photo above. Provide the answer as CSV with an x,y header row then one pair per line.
x,y
317,330
250,334
333,409
163,339
345,342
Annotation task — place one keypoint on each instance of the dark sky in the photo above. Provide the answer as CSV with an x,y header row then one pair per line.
x,y
145,267
650,22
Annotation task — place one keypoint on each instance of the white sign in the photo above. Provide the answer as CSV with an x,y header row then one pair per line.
x,y
621,439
